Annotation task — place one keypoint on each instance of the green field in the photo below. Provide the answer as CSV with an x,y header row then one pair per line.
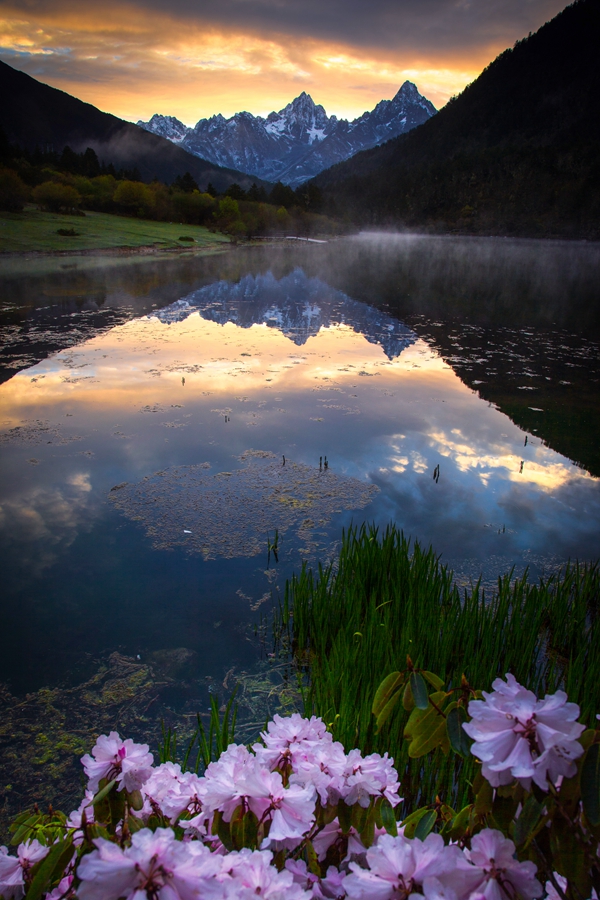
x,y
32,230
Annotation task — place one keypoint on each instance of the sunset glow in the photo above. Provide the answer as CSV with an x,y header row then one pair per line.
x,y
137,59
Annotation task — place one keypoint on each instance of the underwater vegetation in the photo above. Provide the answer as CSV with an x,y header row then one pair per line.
x,y
385,599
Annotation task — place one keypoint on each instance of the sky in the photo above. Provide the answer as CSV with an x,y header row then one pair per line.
x,y
196,58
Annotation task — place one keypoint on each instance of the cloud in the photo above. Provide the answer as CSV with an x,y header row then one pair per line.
x,y
194,60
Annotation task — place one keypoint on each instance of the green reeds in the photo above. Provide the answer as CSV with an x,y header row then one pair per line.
x,y
352,624
201,747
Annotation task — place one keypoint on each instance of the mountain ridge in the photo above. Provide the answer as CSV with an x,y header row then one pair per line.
x,y
517,152
297,142
34,114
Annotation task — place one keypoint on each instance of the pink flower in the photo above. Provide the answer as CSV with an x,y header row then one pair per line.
x,y
370,776
62,889
76,817
288,738
239,777
13,869
129,763
171,791
399,867
156,866
248,874
518,736
329,888
500,875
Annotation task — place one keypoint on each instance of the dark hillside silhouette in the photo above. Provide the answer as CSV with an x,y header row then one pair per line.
x,y
517,152
35,115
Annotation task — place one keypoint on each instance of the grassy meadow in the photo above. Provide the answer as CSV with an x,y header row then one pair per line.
x,y
33,230
352,624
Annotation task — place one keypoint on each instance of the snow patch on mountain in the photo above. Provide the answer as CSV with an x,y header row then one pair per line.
x,y
297,142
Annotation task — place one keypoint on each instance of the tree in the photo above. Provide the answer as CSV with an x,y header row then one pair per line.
x,y
258,194
56,197
134,197
235,192
186,183
13,191
282,195
211,189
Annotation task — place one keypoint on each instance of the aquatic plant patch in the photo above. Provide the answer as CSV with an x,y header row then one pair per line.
x,y
230,514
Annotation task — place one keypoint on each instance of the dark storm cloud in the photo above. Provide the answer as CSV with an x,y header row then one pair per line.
x,y
426,25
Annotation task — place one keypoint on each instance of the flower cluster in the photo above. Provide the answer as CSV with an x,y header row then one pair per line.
x,y
398,867
518,736
269,821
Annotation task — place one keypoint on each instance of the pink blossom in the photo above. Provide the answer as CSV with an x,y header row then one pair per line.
x,y
171,791
288,740
129,763
76,817
13,869
500,875
370,776
156,866
62,889
399,867
248,873
324,765
518,736
329,888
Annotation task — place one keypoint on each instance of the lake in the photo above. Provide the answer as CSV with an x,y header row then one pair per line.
x,y
177,435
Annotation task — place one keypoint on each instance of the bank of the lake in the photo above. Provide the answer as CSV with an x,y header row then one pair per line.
x,y
35,231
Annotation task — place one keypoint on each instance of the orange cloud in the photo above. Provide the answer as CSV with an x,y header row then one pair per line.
x,y
135,62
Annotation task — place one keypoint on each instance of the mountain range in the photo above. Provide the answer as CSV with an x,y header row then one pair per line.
x,y
517,152
296,143
297,305
33,115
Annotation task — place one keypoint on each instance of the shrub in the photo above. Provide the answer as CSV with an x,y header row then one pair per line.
x,y
135,198
13,191
56,197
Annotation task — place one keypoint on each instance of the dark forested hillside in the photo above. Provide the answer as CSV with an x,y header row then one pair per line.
x,y
517,152
34,115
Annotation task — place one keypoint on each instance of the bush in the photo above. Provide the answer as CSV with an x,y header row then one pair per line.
x,y
56,197
13,191
134,198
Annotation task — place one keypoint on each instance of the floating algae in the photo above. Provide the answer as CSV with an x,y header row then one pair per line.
x,y
228,514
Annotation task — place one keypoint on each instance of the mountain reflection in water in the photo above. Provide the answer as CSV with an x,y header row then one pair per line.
x,y
198,362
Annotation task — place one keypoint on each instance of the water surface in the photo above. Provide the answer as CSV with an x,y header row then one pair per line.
x,y
159,421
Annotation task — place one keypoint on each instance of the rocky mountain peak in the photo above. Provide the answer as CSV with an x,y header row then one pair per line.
x,y
297,142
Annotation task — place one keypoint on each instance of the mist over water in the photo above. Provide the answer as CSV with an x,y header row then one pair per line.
x,y
451,384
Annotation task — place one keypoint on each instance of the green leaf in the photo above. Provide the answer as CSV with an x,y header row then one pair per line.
x,y
428,740
244,829
426,824
409,825
420,719
360,816
50,867
419,690
388,819
590,784
461,822
408,701
312,860
387,710
525,824
102,794
458,738
434,680
385,691
484,799
344,816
